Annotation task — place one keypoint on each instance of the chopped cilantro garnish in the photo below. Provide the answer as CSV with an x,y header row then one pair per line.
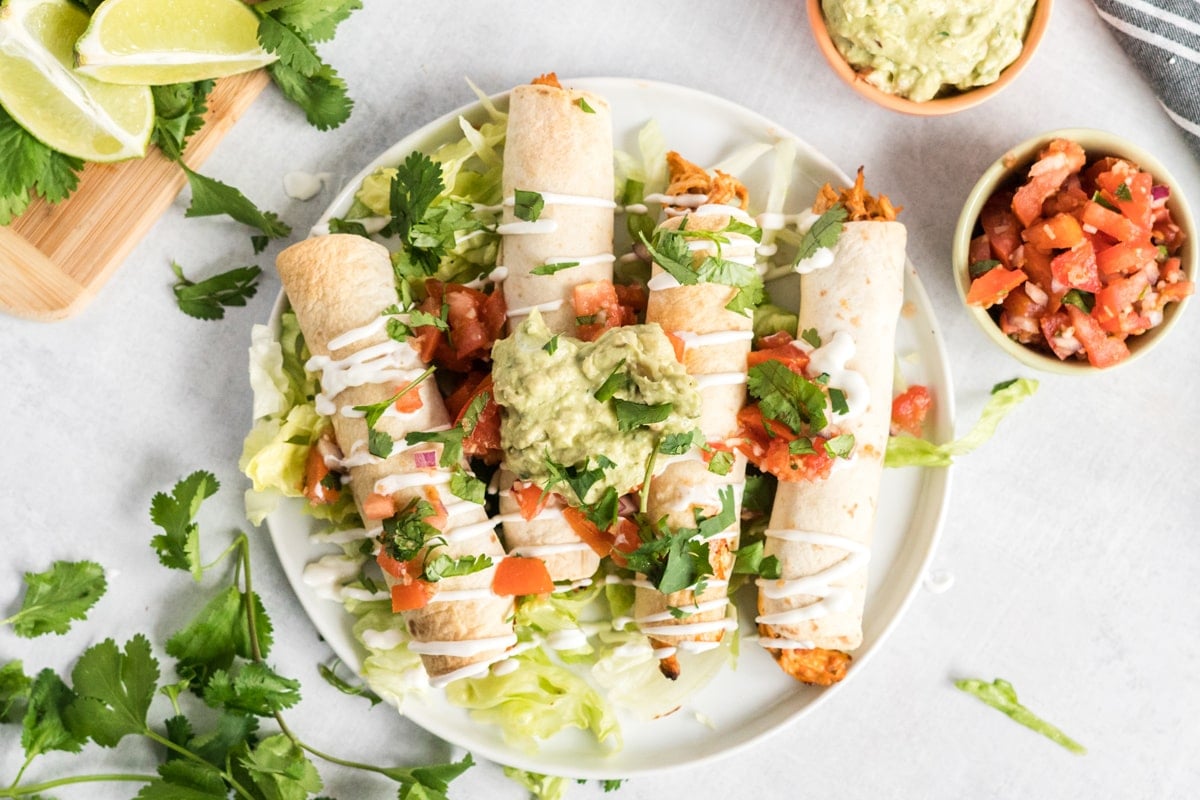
x,y
615,380
474,411
406,531
1097,197
583,105
720,463
527,205
801,446
674,444
837,401
379,443
1080,299
749,560
840,446
551,345
671,252
811,336
632,415
374,411
451,442
553,267
787,397
209,298
466,486
1123,192
825,232
979,268
337,225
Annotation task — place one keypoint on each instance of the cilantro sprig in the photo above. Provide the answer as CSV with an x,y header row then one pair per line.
x,y
208,299
669,249
213,744
56,597
824,233
674,560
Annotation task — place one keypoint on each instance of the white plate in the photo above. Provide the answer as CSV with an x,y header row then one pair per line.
x,y
757,698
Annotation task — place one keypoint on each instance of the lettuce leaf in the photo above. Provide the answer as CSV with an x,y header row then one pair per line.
x,y
912,451
628,672
535,701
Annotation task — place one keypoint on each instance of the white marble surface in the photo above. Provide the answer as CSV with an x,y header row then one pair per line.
x,y
1071,536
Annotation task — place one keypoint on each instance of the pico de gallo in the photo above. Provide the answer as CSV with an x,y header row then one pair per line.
x,y
1080,258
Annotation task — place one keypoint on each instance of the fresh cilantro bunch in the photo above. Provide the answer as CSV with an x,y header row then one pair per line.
x,y
212,739
31,170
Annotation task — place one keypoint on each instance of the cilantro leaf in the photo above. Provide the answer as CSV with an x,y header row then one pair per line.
x,y
584,106
811,336
527,205
414,187
551,346
1000,695
280,769
406,531
179,110
671,252
114,690
749,560
14,687
615,380
337,225
980,268
178,547
218,633
840,446
1082,300
631,415
552,267
181,779
284,41
431,781
743,277
380,443
466,486
787,397
322,96
330,676
44,727
675,444
1123,192
253,688
209,298
31,169
824,233
63,593
210,197
474,411
720,463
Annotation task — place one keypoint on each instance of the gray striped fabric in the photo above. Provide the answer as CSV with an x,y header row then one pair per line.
x,y
1162,37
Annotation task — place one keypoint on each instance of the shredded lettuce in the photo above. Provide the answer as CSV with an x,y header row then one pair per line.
x,y
1000,695
628,672
535,701
393,673
562,611
540,787
912,451
769,318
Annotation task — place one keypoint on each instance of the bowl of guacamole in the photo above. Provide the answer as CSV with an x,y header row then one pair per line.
x,y
928,57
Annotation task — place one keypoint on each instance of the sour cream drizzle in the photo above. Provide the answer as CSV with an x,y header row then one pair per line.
x,y
829,598
831,359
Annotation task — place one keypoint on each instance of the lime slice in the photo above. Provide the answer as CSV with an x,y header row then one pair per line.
x,y
152,42
40,89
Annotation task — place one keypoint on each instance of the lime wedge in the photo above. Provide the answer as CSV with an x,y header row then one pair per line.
x,y
41,90
152,42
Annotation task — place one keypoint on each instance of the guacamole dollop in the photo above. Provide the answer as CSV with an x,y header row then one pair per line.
x,y
546,387
918,48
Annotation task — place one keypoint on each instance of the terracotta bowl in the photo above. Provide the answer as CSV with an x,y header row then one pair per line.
x,y
940,105
1011,168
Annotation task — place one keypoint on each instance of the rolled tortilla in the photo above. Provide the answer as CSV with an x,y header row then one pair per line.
x,y
339,286
559,144
565,153
716,343
821,530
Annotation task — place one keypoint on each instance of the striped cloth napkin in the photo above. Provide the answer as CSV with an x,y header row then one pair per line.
x,y
1162,37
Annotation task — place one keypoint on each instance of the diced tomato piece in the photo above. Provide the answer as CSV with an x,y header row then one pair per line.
x,y
1171,270
789,354
425,343
789,466
315,473
1077,268
411,596
625,540
991,287
1126,258
909,409
1053,326
1174,292
1060,158
1059,232
1001,228
378,506
403,571
1108,221
677,345
438,518
631,295
1129,190
531,499
587,531
410,401
1102,350
1067,200
594,297
980,249
484,438
517,575
495,314
1113,309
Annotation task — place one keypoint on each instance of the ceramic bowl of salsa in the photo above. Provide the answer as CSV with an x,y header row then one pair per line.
x,y
1108,255
886,49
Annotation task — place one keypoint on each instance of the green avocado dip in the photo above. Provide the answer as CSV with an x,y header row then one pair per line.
x,y
566,403
920,48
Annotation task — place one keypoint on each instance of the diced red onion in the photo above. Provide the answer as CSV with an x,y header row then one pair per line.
x,y
626,505
1160,192
425,459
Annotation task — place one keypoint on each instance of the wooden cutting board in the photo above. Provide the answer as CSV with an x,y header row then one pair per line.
x,y
54,258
